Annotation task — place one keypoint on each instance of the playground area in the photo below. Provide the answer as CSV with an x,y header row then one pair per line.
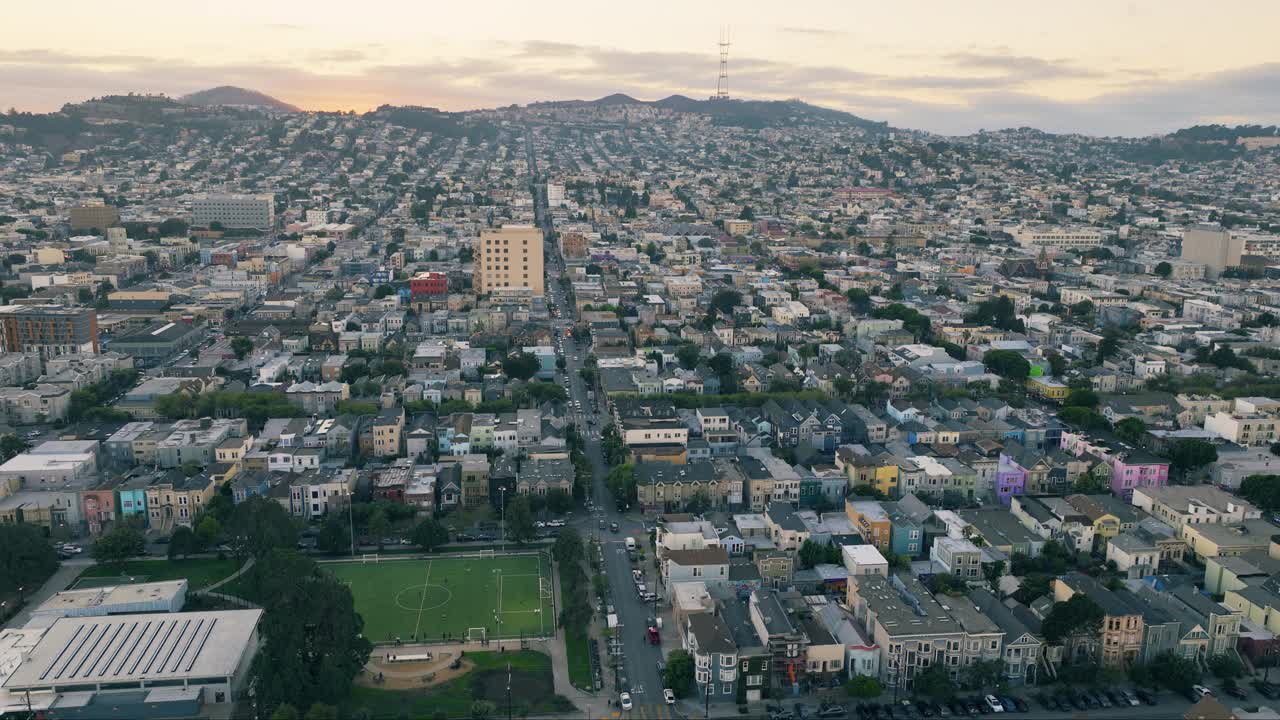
x,y
475,597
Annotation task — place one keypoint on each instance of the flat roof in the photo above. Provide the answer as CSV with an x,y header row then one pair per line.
x,y
129,648
115,595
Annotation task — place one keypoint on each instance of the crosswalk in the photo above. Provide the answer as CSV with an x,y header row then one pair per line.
x,y
646,712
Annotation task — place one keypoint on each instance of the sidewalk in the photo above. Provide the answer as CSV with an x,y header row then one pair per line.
x,y
60,580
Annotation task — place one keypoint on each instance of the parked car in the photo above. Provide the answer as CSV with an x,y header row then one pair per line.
x,y
1103,700
668,696
1236,691
1200,691
993,704
832,711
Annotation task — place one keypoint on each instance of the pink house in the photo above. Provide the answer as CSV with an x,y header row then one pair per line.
x,y
1137,468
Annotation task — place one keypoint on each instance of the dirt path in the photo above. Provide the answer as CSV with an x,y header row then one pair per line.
x,y
412,675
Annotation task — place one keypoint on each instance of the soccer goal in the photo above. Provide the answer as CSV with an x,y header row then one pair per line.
x,y
544,588
486,554
476,634
369,558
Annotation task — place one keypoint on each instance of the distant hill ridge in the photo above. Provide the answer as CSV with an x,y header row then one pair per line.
x,y
747,113
237,97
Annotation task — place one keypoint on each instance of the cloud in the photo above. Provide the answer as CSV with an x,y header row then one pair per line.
x,y
989,89
822,32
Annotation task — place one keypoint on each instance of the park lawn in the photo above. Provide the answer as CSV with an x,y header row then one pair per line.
x,y
532,690
430,598
199,573
577,653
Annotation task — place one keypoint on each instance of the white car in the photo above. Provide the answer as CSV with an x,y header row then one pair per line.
x,y
993,704
669,696
1201,690
625,701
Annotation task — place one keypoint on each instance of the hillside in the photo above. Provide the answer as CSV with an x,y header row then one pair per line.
x,y
237,97
744,113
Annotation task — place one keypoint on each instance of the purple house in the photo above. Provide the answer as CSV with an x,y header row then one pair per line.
x,y
1011,479
1137,468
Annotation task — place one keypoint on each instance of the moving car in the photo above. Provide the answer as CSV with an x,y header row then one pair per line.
x,y
625,701
1200,691
669,696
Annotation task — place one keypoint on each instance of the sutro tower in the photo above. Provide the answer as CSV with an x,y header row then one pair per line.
x,y
722,83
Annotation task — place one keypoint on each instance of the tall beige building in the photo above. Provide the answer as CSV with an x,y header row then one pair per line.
x,y
1217,248
509,257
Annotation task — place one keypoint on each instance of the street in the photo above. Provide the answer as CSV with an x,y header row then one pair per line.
x,y
639,660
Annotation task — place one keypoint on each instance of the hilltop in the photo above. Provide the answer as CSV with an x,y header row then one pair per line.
x,y
237,97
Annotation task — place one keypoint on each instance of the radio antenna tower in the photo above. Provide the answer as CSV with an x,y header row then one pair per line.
x,y
722,83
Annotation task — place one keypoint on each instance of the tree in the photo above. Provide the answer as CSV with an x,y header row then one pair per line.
x,y
1262,490
1132,430
11,445
334,535
521,365
26,557
313,644
285,712
1226,667
258,525
558,501
935,681
688,355
1072,621
1082,398
378,525
725,301
429,535
182,542
1007,364
982,674
863,686
1083,418
568,548
119,545
1057,364
1174,672
482,710
1189,455
1164,269
173,227
519,520
1090,484
621,481
241,346
679,673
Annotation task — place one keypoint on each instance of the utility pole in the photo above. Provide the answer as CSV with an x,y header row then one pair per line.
x,y
351,522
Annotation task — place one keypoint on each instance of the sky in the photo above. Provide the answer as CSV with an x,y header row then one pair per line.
x,y
1111,67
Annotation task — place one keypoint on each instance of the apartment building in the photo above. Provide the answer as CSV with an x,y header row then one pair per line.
x,y
957,556
715,658
1250,429
509,257
49,330
234,211
1179,505
911,628
94,217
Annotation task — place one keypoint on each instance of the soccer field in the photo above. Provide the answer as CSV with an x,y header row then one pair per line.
x,y
425,599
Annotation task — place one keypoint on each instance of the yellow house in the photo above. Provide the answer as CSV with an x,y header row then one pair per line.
x,y
175,500
869,517
887,476
233,449
1047,388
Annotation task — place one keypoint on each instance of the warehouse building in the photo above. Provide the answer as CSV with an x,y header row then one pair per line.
x,y
148,665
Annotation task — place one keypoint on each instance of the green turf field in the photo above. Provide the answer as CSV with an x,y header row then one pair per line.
x,y
427,598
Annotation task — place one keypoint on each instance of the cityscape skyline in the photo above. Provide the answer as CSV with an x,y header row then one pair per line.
x,y
1090,68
